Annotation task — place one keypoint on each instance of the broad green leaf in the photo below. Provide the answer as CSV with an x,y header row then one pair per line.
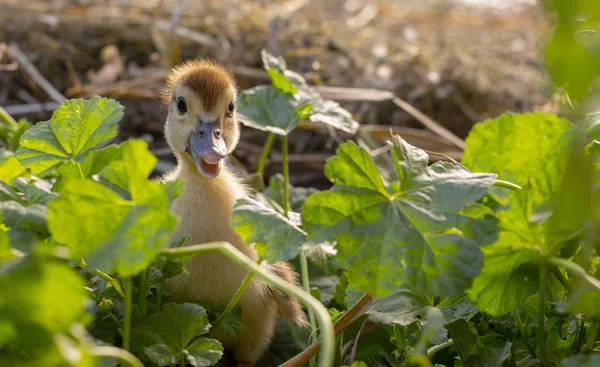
x,y
35,191
276,68
319,110
576,31
582,360
74,129
232,323
510,274
92,163
31,218
516,147
464,337
5,254
297,195
204,352
490,353
112,234
268,109
29,289
388,237
275,237
585,298
405,306
10,168
169,335
326,111
131,171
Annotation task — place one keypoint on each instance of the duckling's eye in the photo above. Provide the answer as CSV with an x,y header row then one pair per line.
x,y
181,105
230,108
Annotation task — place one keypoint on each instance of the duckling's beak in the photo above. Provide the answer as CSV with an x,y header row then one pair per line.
x,y
207,148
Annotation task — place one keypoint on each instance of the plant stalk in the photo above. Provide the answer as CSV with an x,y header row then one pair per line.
x,y
322,316
110,280
8,119
591,336
142,302
524,334
265,154
236,297
436,348
128,309
541,316
117,353
159,297
303,260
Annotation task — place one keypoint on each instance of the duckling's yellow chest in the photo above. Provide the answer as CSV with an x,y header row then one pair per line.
x,y
204,209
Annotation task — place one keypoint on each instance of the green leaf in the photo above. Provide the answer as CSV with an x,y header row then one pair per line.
x,y
232,323
515,146
585,298
388,237
92,163
74,129
509,275
204,352
276,68
275,237
329,112
30,218
405,306
576,31
268,109
318,109
10,168
35,191
464,337
113,234
582,360
29,289
297,195
169,335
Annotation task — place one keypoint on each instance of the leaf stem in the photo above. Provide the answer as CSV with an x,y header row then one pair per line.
x,y
226,249
236,297
80,169
110,280
303,260
562,279
265,154
118,353
436,348
580,336
591,336
541,316
159,297
286,175
8,119
142,302
306,286
524,334
507,185
127,317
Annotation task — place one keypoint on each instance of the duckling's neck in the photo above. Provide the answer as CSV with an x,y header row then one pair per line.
x,y
225,188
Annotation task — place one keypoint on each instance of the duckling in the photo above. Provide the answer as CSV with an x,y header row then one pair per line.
x,y
202,130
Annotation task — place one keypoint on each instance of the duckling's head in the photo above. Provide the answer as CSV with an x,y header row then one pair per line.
x,y
201,126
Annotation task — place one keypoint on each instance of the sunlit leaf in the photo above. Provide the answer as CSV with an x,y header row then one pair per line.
x,y
267,108
509,275
74,129
275,237
388,238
